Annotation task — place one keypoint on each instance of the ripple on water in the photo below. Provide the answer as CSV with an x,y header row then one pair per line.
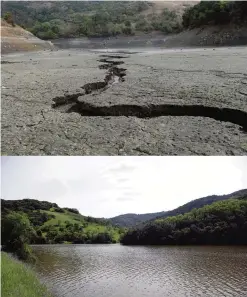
x,y
120,271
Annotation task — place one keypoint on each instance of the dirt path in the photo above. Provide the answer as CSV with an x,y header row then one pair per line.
x,y
172,102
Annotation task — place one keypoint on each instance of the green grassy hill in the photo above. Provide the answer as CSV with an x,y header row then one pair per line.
x,y
53,224
89,226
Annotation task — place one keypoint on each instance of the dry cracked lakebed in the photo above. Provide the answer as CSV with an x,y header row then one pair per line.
x,y
170,102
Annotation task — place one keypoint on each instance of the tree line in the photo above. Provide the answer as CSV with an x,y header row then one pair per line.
x,y
92,19
30,221
108,19
215,13
221,223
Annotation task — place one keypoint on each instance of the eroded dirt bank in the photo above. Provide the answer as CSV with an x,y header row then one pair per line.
x,y
225,35
16,39
171,102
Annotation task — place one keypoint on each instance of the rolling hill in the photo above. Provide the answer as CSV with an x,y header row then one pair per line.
x,y
184,23
53,224
132,219
220,223
128,220
67,19
200,202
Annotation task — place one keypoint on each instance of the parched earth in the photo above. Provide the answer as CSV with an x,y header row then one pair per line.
x,y
167,102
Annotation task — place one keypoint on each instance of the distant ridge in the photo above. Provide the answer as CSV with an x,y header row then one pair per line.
x,y
197,203
129,220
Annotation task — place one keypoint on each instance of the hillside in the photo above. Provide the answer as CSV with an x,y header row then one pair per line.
x,y
128,220
200,202
185,23
209,35
213,23
132,219
221,223
14,38
51,19
53,224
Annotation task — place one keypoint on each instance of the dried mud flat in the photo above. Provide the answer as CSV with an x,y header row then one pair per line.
x,y
169,102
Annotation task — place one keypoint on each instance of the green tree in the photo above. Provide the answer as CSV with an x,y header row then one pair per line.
x,y
219,223
8,17
16,234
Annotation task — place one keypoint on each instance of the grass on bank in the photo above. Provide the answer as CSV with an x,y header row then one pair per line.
x,y
17,279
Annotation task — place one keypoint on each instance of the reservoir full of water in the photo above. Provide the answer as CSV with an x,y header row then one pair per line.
x,y
142,271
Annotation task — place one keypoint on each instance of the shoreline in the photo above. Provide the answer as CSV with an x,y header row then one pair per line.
x,y
14,273
155,50
203,37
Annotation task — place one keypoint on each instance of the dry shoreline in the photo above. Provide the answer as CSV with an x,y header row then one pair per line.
x,y
16,39
170,102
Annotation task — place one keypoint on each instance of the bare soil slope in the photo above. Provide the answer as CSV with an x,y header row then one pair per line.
x,y
15,39
159,6
225,35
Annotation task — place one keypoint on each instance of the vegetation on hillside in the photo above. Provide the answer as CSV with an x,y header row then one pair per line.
x,y
69,19
19,280
215,13
90,18
46,222
223,222
30,221
131,219
200,202
16,232
8,17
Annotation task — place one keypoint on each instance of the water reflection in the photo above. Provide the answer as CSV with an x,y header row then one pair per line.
x,y
118,271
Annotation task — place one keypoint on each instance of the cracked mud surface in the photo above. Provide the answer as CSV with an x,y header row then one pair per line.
x,y
175,102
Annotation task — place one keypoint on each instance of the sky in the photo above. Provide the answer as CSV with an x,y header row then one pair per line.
x,y
109,186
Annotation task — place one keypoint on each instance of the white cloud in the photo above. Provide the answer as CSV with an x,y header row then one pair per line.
x,y
108,186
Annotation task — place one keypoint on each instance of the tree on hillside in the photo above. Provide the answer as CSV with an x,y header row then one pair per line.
x,y
9,18
92,19
103,237
215,13
223,222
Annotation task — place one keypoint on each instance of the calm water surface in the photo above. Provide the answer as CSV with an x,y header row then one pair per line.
x,y
124,271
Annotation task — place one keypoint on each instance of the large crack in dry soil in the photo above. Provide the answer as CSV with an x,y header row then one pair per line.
x,y
74,102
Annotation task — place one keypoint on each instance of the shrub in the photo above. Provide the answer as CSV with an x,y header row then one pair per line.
x,y
9,18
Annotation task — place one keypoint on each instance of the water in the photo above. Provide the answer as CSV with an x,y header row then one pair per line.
x,y
124,271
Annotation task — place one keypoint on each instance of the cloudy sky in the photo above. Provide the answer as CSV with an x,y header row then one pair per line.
x,y
109,186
